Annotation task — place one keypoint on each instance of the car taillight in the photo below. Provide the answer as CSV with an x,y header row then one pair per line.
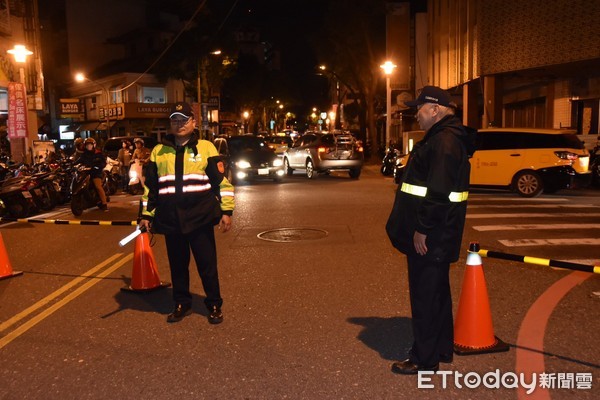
x,y
566,155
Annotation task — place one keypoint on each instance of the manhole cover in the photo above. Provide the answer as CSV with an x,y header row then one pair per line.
x,y
292,234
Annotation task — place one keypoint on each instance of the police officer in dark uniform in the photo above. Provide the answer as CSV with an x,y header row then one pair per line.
x,y
186,195
427,222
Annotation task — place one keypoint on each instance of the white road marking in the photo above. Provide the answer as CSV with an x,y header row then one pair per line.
x,y
536,206
534,215
551,242
473,197
483,228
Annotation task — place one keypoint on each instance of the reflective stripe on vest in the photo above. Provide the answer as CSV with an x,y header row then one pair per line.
x,y
421,191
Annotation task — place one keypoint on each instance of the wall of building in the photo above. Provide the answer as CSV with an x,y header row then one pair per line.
x,y
519,35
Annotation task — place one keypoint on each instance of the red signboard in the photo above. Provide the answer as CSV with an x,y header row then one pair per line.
x,y
17,110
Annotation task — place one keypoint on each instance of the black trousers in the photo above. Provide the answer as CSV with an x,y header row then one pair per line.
x,y
431,305
203,247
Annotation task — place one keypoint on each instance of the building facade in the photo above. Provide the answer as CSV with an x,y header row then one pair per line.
x,y
512,63
21,83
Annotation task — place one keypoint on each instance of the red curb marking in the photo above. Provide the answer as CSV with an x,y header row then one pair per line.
x,y
533,327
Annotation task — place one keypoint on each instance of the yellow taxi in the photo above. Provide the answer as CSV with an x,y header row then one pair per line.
x,y
527,161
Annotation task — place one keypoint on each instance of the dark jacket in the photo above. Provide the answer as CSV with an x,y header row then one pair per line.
x,y
186,187
93,159
440,163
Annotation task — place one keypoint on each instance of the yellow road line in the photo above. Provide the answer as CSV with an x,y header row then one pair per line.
x,y
57,293
49,311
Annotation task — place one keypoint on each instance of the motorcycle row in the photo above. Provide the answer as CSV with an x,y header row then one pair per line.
x,y
26,190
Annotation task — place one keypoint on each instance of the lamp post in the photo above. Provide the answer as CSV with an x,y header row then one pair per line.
x,y
246,115
388,69
200,120
19,132
80,77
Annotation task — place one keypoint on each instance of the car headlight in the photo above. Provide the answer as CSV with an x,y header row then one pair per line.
x,y
278,162
243,164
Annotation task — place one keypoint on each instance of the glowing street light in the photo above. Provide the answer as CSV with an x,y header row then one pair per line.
x,y
20,53
388,69
80,77
246,115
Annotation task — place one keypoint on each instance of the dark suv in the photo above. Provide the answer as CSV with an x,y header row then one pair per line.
x,y
247,157
317,152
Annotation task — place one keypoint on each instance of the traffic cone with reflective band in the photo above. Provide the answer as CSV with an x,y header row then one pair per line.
x,y
6,270
473,329
144,276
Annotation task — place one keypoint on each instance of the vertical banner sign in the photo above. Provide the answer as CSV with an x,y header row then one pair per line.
x,y
17,111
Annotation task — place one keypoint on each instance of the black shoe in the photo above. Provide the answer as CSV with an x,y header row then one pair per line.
x,y
447,358
215,316
179,313
407,367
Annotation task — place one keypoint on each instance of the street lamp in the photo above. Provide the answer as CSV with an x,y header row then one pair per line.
x,y
80,77
246,115
388,69
18,123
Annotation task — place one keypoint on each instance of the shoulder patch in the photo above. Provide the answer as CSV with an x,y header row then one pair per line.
x,y
221,167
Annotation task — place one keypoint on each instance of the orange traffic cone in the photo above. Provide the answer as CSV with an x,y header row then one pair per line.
x,y
144,276
6,270
473,330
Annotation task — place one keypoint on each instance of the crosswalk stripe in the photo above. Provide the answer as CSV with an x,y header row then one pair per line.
x,y
474,197
550,242
553,206
533,215
484,228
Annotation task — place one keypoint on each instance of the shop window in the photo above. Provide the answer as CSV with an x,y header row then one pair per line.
x,y
152,95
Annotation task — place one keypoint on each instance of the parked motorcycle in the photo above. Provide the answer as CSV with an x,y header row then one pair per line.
x,y
389,160
135,178
113,175
83,191
15,195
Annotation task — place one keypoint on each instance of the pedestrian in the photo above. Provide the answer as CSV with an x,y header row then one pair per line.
x,y
124,157
426,224
141,152
186,195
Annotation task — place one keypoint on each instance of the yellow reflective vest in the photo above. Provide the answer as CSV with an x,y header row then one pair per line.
x,y
185,187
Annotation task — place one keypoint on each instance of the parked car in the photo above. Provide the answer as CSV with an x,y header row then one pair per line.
x,y
279,144
248,157
324,152
525,160
114,144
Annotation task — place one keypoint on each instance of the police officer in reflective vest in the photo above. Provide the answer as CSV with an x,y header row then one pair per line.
x,y
426,224
186,195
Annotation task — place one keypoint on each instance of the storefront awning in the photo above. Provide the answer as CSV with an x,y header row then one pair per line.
x,y
87,126
102,125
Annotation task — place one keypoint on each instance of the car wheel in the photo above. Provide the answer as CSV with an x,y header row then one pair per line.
x,y
286,167
310,169
354,173
528,184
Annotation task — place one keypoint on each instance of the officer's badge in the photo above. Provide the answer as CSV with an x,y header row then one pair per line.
x,y
179,107
221,167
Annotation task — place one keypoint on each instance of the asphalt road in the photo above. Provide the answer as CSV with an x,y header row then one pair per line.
x,y
320,314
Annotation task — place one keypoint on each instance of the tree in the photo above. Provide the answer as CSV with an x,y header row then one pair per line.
x,y
352,44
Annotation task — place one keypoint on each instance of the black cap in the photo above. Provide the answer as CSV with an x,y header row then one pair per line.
x,y
432,94
183,109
